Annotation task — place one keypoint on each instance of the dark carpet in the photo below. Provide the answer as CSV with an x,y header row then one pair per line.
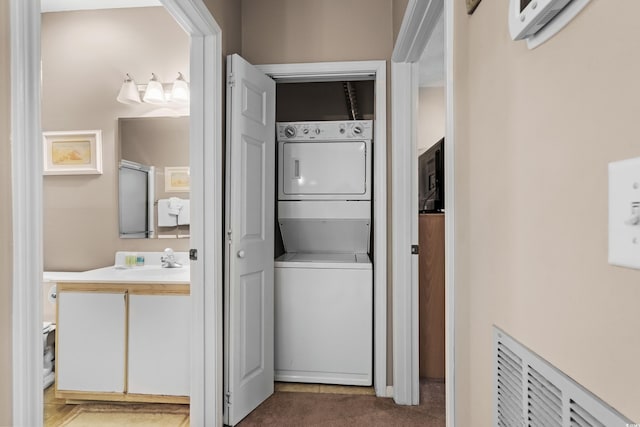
x,y
315,409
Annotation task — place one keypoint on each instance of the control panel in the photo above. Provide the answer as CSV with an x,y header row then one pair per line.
x,y
325,130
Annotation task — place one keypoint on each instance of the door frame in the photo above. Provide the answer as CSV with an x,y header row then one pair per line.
x,y
419,20
206,195
361,70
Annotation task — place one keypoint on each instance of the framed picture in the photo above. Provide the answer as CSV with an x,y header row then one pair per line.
x,y
72,152
176,179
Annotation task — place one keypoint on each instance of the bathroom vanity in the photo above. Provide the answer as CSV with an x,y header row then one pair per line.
x,y
124,335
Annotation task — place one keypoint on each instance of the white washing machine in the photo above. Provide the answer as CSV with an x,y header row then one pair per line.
x,y
324,281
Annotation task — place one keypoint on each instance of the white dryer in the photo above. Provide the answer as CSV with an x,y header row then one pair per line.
x,y
324,281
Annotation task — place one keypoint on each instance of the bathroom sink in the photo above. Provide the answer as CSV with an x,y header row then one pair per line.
x,y
143,274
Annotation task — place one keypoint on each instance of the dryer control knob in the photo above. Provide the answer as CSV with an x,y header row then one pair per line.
x,y
317,131
357,130
289,131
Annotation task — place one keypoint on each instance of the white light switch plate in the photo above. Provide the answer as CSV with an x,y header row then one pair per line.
x,y
624,213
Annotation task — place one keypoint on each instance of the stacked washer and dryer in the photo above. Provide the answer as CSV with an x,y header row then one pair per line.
x,y
324,280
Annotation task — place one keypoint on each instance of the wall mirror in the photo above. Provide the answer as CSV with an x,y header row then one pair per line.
x,y
149,146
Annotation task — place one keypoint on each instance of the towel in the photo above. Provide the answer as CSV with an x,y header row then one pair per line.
x,y
184,216
165,218
175,205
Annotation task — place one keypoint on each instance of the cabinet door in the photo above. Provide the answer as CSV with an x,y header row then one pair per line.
x,y
91,341
159,344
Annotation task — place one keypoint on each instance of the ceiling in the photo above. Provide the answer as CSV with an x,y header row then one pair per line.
x,y
62,5
432,60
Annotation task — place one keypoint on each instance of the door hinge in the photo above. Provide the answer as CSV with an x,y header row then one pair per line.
x,y
227,398
193,254
229,233
415,249
231,80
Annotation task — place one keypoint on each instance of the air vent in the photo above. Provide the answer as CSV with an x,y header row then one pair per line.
x,y
580,417
509,385
531,392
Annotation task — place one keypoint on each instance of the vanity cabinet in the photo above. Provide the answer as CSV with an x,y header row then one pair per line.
x,y
120,342
90,342
158,356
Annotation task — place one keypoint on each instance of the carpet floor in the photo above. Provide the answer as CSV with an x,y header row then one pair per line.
x,y
334,410
329,406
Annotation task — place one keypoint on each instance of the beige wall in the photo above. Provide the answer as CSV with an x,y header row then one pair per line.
x,y
282,31
6,252
227,14
430,116
78,93
399,8
539,129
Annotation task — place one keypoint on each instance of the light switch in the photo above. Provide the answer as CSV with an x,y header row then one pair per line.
x,y
624,213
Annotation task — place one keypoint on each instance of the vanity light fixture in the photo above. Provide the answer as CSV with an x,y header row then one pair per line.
x,y
129,92
155,92
180,90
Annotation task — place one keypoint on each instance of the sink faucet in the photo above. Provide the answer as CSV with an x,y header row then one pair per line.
x,y
169,260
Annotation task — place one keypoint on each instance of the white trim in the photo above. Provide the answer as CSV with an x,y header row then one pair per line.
x,y
389,391
26,178
324,71
449,226
405,233
206,196
419,20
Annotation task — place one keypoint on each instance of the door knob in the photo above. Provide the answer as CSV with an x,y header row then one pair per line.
x,y
240,254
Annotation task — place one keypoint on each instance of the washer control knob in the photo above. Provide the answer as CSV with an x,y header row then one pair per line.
x,y
289,131
317,131
305,131
357,130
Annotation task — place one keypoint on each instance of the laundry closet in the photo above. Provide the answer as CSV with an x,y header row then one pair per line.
x,y
323,274
300,180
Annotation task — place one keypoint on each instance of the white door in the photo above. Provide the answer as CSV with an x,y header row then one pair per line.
x,y
250,188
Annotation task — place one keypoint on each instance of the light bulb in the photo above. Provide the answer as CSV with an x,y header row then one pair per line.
x,y
180,90
155,92
129,92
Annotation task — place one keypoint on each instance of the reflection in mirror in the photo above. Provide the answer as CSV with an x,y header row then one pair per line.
x,y
136,200
159,144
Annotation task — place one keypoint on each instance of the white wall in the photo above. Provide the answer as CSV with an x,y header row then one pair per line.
x,y
431,107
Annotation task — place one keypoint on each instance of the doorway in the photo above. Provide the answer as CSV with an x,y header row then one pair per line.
x,y
205,155
419,22
322,72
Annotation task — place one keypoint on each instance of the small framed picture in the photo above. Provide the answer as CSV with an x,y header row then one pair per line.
x,y
176,179
72,152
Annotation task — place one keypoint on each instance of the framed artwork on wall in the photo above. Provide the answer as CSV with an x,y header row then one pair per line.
x,y
176,179
72,152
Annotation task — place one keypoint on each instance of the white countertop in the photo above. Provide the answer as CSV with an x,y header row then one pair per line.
x,y
151,274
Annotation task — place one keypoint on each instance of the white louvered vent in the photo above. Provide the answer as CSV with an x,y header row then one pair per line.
x,y
530,392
